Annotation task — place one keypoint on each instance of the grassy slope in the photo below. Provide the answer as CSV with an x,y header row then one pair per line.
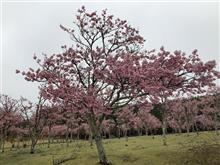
x,y
143,150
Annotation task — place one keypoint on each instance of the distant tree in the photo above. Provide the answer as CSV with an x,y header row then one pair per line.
x,y
215,99
35,115
149,121
126,120
9,118
176,118
54,115
175,75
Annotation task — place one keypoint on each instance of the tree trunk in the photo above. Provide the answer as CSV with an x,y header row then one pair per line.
x,y
71,136
90,138
105,134
33,144
215,122
152,132
187,128
196,128
2,144
179,130
49,136
109,134
119,132
78,134
18,143
187,121
67,137
126,135
98,140
164,131
146,131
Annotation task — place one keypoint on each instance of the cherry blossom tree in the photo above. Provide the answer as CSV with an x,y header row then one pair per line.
x,y
106,70
54,115
149,121
9,117
126,119
177,74
176,117
107,126
96,74
215,104
209,110
35,115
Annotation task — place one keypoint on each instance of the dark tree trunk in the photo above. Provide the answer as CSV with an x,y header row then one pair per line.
x,y
196,128
78,134
119,132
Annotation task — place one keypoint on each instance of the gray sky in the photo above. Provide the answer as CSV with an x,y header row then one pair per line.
x,y
34,28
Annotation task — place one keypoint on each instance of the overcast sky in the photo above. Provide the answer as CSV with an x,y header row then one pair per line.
x,y
30,28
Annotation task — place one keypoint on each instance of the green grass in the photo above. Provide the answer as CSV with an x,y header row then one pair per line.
x,y
142,150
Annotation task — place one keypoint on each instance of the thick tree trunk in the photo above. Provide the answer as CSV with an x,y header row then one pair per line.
x,y
98,140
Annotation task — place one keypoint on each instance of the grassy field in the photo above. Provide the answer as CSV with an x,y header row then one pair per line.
x,y
142,150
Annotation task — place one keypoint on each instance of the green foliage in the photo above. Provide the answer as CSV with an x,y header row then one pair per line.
x,y
157,111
